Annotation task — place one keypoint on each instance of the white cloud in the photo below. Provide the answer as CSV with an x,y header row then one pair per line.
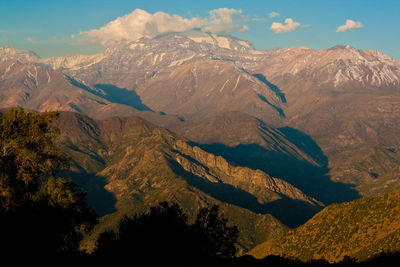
x,y
291,25
350,24
224,20
30,39
140,23
274,14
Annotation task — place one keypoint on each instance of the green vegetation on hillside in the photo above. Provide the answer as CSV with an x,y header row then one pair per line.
x,y
38,212
359,229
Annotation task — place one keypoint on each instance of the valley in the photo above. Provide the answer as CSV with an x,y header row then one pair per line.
x,y
277,138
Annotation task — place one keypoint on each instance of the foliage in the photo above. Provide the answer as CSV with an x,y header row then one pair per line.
x,y
68,213
164,232
215,237
38,213
28,154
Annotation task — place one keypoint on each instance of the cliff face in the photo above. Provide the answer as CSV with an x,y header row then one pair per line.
x,y
346,99
217,169
142,164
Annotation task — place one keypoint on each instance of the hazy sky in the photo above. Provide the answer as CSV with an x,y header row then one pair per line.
x,y
60,27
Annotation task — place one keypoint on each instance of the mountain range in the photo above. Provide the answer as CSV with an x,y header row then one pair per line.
x,y
273,136
130,164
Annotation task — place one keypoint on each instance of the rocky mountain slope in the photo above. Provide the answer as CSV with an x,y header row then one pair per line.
x,y
344,99
360,229
141,164
348,101
128,65
179,75
207,87
282,152
37,87
145,66
341,67
7,52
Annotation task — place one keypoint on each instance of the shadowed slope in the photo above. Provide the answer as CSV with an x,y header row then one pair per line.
x,y
346,99
40,88
143,164
281,152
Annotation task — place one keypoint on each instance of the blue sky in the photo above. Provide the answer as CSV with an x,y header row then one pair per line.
x,y
55,27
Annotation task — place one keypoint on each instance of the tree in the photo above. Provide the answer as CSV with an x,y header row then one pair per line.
x,y
37,211
27,154
66,216
163,234
215,237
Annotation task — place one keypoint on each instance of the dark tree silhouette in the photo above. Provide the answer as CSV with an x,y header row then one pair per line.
x,y
163,234
215,237
39,214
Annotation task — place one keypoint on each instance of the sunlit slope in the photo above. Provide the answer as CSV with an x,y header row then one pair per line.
x,y
360,229
135,164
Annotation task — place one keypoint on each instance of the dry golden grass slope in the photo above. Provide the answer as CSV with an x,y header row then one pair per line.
x,y
359,229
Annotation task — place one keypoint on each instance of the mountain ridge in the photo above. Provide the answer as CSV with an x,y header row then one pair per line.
x,y
345,99
142,164
247,141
